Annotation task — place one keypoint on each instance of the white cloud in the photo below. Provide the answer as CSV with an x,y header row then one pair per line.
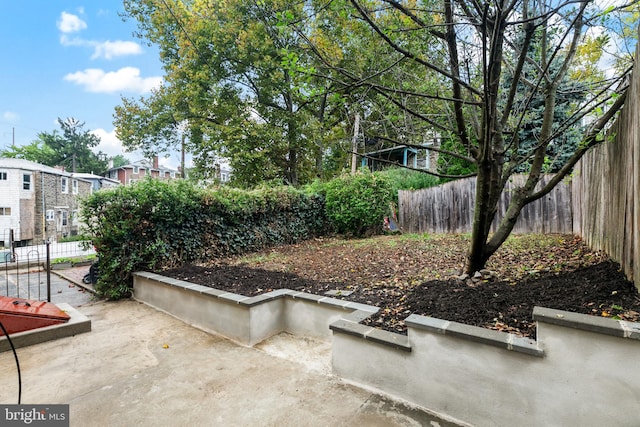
x,y
69,23
168,162
10,116
75,41
109,142
112,146
109,49
125,79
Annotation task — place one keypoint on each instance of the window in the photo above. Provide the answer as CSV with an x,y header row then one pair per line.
x,y
64,185
173,174
50,215
65,218
3,176
26,181
5,211
74,216
74,186
136,170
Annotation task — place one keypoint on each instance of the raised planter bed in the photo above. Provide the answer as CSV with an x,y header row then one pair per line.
x,y
582,370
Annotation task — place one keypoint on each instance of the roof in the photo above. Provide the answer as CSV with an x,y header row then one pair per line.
x,y
143,164
91,176
397,148
9,163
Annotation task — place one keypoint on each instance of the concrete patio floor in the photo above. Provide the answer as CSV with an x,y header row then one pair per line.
x,y
139,366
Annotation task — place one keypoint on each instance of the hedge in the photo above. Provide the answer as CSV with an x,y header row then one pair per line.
x,y
154,224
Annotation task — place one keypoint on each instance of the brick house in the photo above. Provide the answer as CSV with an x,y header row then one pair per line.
x,y
136,171
38,202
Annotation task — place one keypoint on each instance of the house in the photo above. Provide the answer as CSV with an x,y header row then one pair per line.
x,y
221,172
128,174
97,182
403,155
225,172
38,202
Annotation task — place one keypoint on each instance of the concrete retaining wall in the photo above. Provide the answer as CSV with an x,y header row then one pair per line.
x,y
582,369
244,319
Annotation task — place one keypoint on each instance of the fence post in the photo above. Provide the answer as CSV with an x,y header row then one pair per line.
x,y
47,244
12,245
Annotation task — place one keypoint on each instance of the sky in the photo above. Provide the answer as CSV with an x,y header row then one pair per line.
x,y
77,59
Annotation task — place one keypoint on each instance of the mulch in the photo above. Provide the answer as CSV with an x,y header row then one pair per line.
x,y
594,286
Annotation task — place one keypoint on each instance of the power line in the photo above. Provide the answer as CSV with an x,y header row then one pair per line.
x,y
182,28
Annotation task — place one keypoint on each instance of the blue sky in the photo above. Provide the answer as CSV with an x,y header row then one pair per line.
x,y
69,59
64,59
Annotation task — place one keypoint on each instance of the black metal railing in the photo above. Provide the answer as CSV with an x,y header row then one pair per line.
x,y
25,275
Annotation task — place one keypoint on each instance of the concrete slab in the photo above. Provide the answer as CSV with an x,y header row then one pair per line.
x,y
77,324
139,366
66,286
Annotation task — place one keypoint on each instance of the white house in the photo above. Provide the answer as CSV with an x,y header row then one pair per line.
x,y
38,202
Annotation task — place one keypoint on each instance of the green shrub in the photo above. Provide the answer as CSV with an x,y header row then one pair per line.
x,y
407,179
452,165
155,224
356,204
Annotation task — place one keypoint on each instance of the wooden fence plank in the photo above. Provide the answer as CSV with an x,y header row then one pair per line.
x,y
449,208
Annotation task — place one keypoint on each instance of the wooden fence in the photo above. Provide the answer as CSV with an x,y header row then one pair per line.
x,y
600,204
606,186
449,208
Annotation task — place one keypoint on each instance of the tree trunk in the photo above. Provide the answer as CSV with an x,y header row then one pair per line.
x,y
292,160
490,156
484,213
320,144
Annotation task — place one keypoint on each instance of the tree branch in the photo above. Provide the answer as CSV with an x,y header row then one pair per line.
x,y
589,141
408,54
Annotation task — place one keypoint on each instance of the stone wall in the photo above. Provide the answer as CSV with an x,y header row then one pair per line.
x,y
49,191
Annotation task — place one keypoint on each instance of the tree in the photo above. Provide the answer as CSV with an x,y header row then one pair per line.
x,y
233,81
501,69
154,124
71,149
119,160
37,151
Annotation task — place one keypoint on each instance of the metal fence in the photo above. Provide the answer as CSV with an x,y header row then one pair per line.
x,y
56,250
25,272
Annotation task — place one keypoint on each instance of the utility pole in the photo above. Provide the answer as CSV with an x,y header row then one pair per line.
x,y
354,144
182,171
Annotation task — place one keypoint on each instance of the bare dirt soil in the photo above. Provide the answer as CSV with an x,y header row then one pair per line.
x,y
423,275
